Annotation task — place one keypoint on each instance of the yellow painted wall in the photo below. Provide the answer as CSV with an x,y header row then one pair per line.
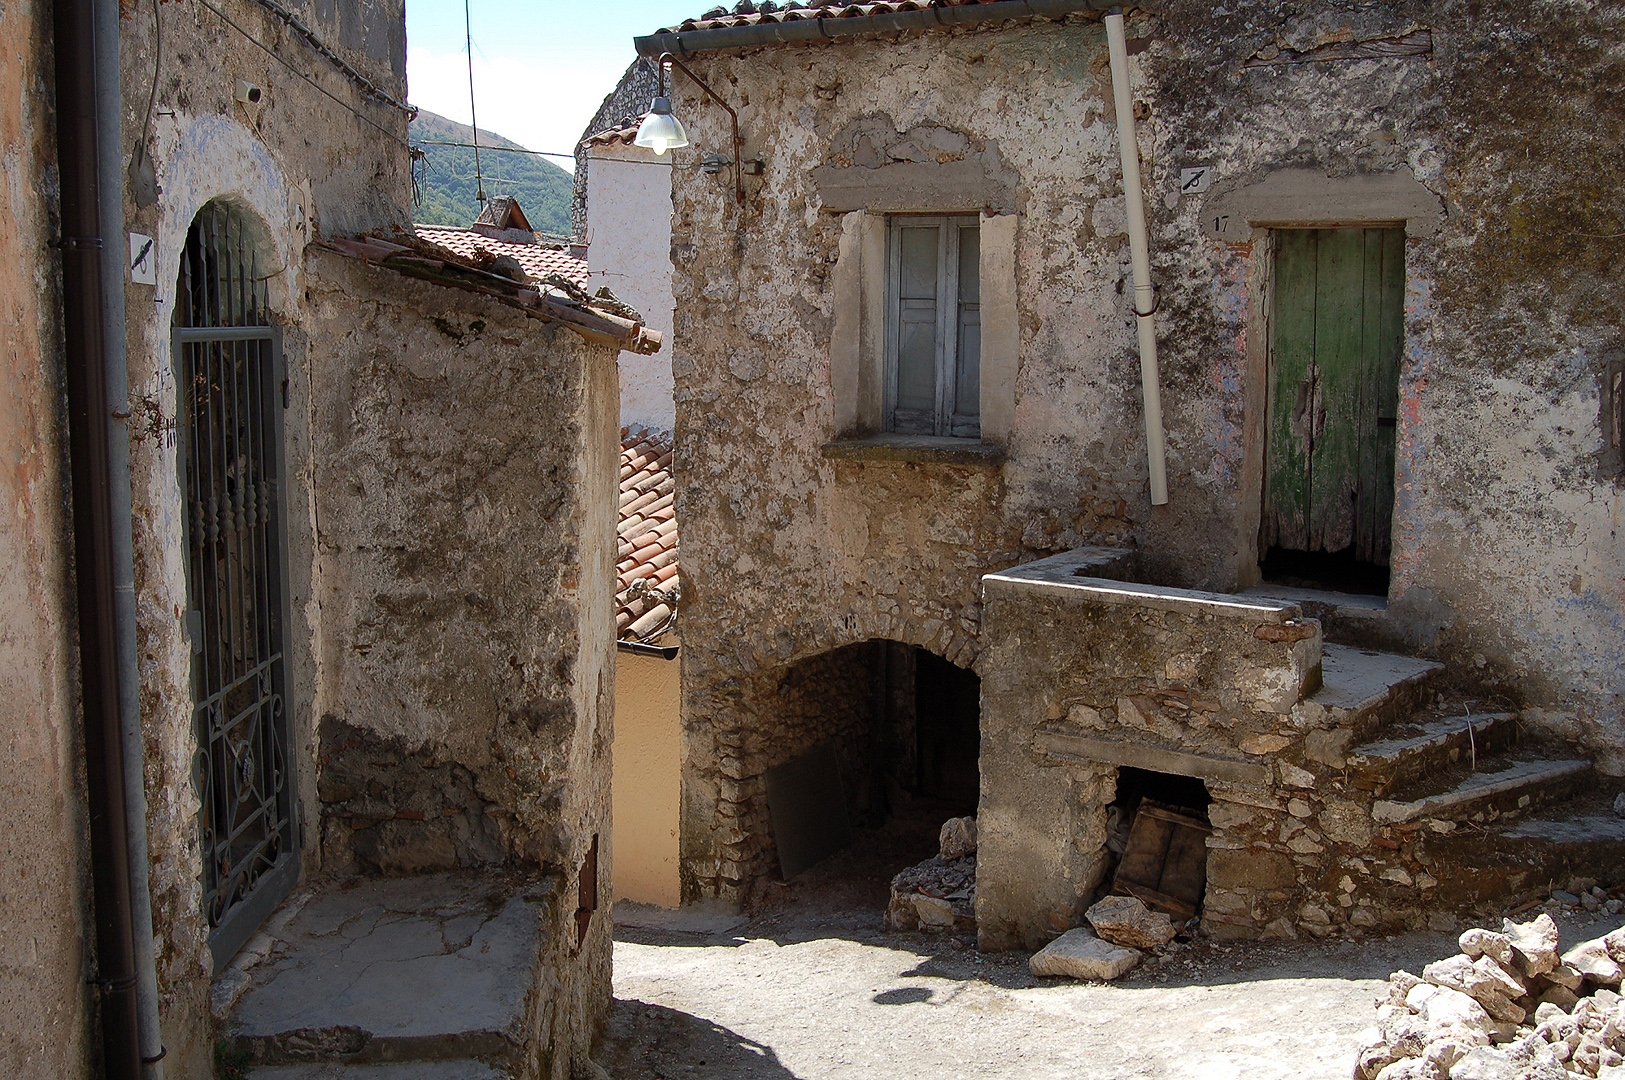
x,y
647,756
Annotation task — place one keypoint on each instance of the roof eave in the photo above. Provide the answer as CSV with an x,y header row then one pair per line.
x,y
787,32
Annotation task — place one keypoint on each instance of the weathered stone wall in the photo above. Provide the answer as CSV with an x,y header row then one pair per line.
x,y
45,1009
1505,552
205,145
463,455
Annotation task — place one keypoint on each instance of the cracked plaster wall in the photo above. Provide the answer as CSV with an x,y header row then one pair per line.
x,y
1507,545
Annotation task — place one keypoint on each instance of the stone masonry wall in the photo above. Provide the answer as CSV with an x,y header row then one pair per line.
x,y
1079,682
205,145
1505,546
463,454
46,1012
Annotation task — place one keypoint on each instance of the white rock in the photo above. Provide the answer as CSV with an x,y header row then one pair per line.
x,y
1416,998
1124,920
1476,943
1409,1069
1452,1008
933,912
1591,959
1079,954
1534,943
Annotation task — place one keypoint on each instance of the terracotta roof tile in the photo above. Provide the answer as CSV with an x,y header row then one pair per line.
x,y
647,592
537,259
750,14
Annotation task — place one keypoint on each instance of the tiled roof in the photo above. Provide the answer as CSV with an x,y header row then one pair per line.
x,y
646,589
538,260
749,14
622,135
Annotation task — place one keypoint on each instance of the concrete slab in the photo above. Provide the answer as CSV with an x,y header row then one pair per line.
x,y
398,1070
1590,828
404,968
1354,679
1084,573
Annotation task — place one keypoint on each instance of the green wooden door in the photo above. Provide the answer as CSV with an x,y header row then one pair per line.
x,y
1334,390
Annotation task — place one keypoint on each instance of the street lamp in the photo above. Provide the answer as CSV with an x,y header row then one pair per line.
x,y
662,131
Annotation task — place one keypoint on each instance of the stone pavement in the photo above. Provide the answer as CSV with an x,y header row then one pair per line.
x,y
424,978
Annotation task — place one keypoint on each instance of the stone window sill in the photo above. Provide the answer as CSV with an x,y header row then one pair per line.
x,y
925,449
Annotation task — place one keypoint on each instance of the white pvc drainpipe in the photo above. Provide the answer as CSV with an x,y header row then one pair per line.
x,y
1140,251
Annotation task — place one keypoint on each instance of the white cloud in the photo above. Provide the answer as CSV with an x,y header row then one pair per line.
x,y
541,106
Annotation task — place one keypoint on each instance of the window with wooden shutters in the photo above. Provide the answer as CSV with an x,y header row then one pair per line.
x,y
933,327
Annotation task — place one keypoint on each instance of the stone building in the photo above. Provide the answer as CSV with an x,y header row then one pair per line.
x,y
372,561
1387,307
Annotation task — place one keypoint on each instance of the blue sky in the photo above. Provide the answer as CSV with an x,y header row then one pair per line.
x,y
541,68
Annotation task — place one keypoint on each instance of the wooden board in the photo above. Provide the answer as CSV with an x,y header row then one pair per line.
x,y
808,808
1164,863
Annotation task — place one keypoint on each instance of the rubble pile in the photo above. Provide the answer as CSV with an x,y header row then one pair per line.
x,y
1509,1006
939,893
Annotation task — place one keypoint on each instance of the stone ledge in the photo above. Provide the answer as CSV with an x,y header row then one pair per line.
x,y
1076,577
922,449
1154,759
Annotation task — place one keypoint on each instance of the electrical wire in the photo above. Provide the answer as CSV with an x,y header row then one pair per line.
x,y
279,58
366,85
552,153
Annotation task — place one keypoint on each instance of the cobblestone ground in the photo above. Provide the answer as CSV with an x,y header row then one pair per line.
x,y
814,988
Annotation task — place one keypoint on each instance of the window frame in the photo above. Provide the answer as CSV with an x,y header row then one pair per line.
x,y
949,420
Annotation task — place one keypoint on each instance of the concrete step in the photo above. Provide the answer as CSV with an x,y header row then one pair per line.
x,y
1429,745
1364,690
464,1069
429,971
1345,618
1582,838
1514,784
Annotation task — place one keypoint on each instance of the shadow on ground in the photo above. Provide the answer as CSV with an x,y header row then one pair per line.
x,y
651,1042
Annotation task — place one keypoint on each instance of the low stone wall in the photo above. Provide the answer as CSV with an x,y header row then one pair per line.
x,y
1081,676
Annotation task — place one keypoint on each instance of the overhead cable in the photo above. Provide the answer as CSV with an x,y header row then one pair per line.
x,y
366,85
279,58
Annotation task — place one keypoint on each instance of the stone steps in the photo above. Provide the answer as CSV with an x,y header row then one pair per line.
x,y
1511,785
425,978
1583,838
1427,747
1364,691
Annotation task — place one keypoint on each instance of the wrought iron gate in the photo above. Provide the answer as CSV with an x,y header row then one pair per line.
x,y
230,383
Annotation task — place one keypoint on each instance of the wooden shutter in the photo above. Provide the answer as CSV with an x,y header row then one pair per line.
x,y
933,332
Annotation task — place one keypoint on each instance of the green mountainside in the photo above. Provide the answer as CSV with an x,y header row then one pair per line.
x,y
446,178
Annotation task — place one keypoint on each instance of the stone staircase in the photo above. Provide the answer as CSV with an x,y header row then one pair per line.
x,y
1482,805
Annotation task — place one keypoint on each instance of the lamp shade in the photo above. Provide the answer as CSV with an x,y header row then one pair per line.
x,y
660,130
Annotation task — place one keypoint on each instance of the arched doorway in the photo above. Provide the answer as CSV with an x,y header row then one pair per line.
x,y
230,388
886,738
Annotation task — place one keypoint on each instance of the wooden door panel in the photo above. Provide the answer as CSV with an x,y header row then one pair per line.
x,y
1291,393
1384,297
1334,467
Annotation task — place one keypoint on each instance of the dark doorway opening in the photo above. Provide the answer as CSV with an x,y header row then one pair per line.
x,y
1328,571
1157,835
947,734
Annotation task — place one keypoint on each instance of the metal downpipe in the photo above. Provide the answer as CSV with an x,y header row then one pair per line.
x,y
110,178
88,440
1140,253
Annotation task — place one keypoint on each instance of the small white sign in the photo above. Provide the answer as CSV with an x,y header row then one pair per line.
x,y
1195,181
143,260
